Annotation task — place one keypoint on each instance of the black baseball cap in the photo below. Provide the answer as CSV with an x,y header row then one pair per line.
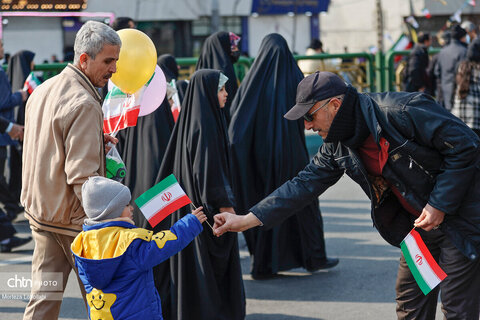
x,y
315,87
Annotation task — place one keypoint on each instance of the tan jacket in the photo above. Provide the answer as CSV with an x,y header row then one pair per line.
x,y
63,146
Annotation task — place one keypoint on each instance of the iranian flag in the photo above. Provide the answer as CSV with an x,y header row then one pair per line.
x,y
120,110
426,13
160,201
31,83
176,101
424,268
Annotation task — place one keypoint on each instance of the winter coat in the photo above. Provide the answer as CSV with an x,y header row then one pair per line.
x,y
446,69
63,146
115,262
4,123
433,157
467,94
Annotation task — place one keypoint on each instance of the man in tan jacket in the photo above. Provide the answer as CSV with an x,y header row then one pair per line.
x,y
63,146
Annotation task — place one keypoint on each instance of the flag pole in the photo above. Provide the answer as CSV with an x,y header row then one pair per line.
x,y
205,220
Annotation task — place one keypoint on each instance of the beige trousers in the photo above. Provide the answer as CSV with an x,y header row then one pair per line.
x,y
51,255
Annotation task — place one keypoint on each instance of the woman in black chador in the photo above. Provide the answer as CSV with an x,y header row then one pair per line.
x,y
142,148
220,52
268,150
206,275
169,66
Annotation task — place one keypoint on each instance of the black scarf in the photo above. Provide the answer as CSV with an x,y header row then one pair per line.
x,y
216,54
349,126
169,66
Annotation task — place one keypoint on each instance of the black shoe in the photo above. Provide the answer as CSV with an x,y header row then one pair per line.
x,y
13,243
264,276
326,264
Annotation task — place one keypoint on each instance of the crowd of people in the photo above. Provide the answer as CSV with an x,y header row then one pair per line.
x,y
450,76
239,153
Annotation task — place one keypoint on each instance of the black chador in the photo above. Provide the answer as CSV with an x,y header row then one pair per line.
x,y
268,150
217,54
206,275
169,66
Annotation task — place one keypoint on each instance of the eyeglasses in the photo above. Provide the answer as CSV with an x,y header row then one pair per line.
x,y
309,116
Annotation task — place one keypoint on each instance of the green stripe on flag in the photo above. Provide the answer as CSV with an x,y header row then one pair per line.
x,y
413,268
155,190
115,93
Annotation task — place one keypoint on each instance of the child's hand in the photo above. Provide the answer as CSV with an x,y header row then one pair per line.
x,y
200,215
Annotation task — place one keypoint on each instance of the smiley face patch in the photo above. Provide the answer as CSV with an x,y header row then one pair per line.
x,y
162,237
100,304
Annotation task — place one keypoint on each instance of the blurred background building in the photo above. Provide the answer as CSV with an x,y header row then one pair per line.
x,y
354,24
179,27
176,26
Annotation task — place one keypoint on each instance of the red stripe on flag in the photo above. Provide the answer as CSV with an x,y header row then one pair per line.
x,y
30,88
426,253
128,119
166,211
175,113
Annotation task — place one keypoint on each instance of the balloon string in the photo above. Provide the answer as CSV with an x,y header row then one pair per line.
x,y
122,107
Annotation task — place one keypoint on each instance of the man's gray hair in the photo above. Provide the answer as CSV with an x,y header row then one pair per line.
x,y
91,38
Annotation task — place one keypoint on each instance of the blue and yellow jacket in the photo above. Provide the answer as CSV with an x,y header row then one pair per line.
x,y
115,261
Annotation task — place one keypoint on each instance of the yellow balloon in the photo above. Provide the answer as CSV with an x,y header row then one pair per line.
x,y
137,61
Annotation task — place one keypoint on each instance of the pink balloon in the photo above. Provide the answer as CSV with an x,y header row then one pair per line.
x,y
154,94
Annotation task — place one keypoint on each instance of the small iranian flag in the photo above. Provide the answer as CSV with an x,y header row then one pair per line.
x,y
424,268
426,13
31,83
160,201
176,106
120,110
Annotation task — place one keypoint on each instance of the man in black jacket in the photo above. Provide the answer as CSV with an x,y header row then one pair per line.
x,y
416,77
419,165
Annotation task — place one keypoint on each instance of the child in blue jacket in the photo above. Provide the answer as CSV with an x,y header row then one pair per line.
x,y
115,259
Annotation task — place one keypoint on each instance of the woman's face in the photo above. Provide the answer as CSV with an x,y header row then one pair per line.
x,y
222,97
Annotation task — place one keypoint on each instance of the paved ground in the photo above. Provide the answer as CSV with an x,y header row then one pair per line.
x,y
360,287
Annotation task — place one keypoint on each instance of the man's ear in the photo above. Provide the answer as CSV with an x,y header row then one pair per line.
x,y
336,104
83,60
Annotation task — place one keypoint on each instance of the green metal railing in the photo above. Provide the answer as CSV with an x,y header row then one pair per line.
x,y
187,67
367,71
369,67
390,66
49,69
